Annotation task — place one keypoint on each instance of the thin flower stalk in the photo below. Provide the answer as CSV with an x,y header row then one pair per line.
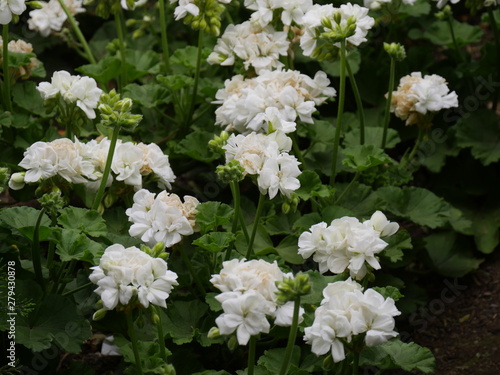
x,y
235,190
359,104
35,250
133,339
6,70
189,265
346,190
121,43
338,125
196,78
161,335
251,355
78,32
164,38
291,337
260,206
387,113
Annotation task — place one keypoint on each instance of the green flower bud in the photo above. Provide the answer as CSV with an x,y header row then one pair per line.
x,y
395,50
232,343
290,288
328,362
116,111
444,14
99,314
35,4
231,172
109,200
16,180
155,318
213,333
53,201
285,207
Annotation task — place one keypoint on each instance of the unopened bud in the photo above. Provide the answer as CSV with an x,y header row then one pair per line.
x,y
16,181
232,343
213,333
395,50
99,314
35,4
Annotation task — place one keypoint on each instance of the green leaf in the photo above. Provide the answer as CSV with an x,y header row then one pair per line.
x,y
439,33
373,136
212,214
195,145
288,250
212,302
484,144
19,59
149,95
149,353
419,205
262,244
395,354
281,223
361,200
311,186
86,221
363,157
107,68
55,321
215,241
419,8
319,282
141,63
389,292
26,96
22,221
273,358
450,254
74,245
175,82
307,221
397,243
182,319
333,68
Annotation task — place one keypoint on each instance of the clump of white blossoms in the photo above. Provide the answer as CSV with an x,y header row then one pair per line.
x,y
10,7
50,18
377,4
162,218
83,163
291,11
259,47
248,298
82,91
267,157
127,275
417,98
20,46
272,100
347,244
321,20
346,311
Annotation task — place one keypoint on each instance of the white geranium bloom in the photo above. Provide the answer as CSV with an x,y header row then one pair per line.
x,y
310,242
40,160
87,95
442,3
71,165
380,223
279,174
126,272
138,3
10,7
185,7
50,18
283,315
154,160
363,22
127,163
245,314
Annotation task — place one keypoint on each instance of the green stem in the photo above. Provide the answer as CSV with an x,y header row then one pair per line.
x,y
296,150
416,146
387,113
133,338
196,78
235,190
78,32
121,43
291,337
453,38
107,168
164,39
359,103
355,178
6,70
77,289
355,363
190,267
51,251
496,34
161,335
340,112
244,227
260,206
251,355
67,271
35,250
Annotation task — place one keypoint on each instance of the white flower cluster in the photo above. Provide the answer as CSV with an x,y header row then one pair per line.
x,y
186,7
162,218
259,47
376,4
249,296
126,273
83,163
10,7
73,89
267,157
292,11
50,18
346,311
272,100
347,243
313,24
417,95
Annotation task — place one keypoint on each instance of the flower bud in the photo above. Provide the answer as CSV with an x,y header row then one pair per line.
x,y
231,172
99,314
232,343
395,50
16,181
444,14
35,4
213,333
109,200
155,318
290,288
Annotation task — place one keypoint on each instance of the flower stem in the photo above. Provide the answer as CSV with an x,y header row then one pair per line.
x,y
133,338
77,289
359,103
78,32
107,168
260,206
189,265
196,78
35,250
121,43
417,145
454,39
355,178
387,113
296,150
6,70
340,112
291,337
235,190
355,363
161,335
164,39
251,355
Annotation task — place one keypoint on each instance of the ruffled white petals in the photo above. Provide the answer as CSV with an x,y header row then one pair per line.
x,y
50,18
10,7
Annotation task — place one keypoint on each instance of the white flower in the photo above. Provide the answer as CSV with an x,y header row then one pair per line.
x,y
10,7
154,160
126,272
40,160
138,3
380,223
442,3
70,164
279,174
127,163
284,314
185,7
245,314
50,18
